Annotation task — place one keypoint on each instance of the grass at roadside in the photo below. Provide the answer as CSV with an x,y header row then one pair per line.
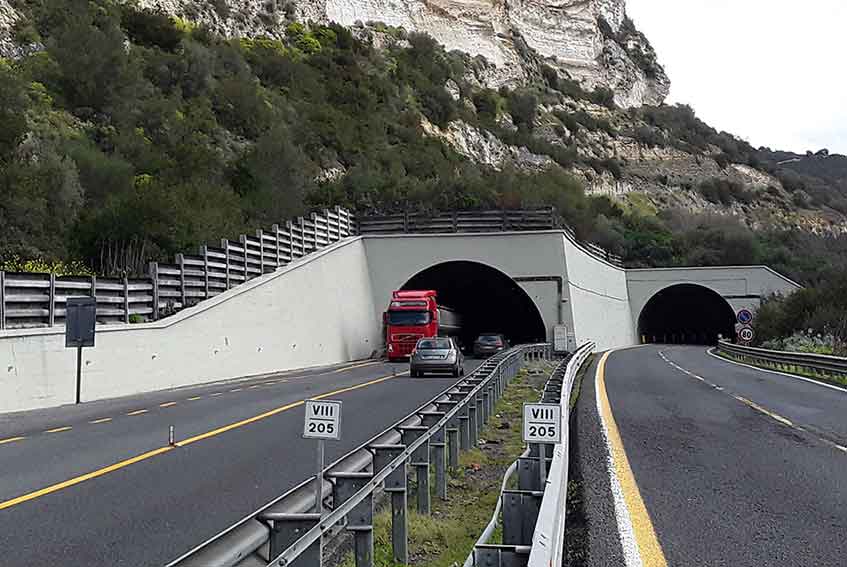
x,y
448,535
798,371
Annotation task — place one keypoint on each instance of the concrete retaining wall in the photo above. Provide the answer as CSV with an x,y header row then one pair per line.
x,y
318,310
598,298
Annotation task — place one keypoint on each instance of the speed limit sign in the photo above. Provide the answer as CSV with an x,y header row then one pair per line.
x,y
746,334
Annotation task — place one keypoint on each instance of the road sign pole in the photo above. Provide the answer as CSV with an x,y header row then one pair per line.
x,y
542,466
78,374
319,479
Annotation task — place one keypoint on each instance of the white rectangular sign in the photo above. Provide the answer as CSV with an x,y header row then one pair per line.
x,y
323,420
542,423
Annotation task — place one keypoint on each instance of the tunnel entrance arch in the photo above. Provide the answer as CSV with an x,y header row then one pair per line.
x,y
489,300
686,314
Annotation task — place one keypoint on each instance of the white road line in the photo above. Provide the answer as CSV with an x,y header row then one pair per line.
x,y
809,380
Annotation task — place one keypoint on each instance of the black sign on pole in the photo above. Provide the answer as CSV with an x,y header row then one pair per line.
x,y
80,320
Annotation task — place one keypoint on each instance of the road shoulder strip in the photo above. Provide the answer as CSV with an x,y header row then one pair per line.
x,y
638,537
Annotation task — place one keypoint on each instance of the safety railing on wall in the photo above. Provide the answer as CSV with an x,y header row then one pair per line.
x,y
478,221
37,300
289,531
815,365
533,516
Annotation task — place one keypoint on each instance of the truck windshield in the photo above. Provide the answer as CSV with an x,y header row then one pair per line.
x,y
408,318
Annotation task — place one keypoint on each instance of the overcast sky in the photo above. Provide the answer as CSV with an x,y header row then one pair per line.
x,y
770,71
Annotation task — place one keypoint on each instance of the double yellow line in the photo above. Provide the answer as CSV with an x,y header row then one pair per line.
x,y
184,443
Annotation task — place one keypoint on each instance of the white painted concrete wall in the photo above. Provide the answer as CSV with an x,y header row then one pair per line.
x,y
394,260
598,298
742,286
316,311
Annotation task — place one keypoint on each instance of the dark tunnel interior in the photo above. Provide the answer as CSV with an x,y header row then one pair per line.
x,y
488,300
686,314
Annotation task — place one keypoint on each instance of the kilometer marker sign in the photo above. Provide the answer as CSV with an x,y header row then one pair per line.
x,y
542,423
323,420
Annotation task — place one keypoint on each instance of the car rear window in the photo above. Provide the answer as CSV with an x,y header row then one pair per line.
x,y
431,344
490,339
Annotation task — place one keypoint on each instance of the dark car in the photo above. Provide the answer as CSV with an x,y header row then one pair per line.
x,y
438,354
489,344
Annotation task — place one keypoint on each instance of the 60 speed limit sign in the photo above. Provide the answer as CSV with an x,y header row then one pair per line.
x,y
542,423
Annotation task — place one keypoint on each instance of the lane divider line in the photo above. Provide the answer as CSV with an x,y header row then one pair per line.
x,y
167,404
753,405
194,398
11,440
137,412
101,420
59,429
235,390
216,394
161,450
638,538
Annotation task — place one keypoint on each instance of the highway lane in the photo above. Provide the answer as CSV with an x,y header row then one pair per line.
x,y
735,467
149,512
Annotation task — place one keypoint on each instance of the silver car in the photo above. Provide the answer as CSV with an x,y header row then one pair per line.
x,y
437,354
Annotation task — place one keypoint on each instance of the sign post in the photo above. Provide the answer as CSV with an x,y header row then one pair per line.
x,y
80,321
542,425
323,421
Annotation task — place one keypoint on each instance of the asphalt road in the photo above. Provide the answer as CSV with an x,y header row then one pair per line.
x,y
735,466
98,484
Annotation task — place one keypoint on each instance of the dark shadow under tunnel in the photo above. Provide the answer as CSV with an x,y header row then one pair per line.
x,y
686,314
489,301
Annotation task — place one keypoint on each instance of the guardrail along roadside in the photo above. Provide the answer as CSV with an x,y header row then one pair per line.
x,y
290,531
819,366
533,515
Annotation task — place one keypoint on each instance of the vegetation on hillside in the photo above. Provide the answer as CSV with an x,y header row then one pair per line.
x,y
133,135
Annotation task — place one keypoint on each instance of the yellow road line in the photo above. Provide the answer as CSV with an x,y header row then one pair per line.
x,y
161,450
11,440
362,365
167,404
194,398
137,412
645,535
101,420
59,429
83,478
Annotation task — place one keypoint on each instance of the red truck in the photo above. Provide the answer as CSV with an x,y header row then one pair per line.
x,y
414,315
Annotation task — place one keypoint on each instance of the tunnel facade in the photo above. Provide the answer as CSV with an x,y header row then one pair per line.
x,y
488,300
686,314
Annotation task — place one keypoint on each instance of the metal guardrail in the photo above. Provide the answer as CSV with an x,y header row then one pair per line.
x,y
534,516
479,221
38,299
819,365
286,532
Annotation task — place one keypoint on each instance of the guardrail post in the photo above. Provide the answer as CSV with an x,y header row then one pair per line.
x,y
204,251
465,427
260,234
420,461
154,279
481,412
180,260
51,309
288,528
126,300
395,485
438,444
2,300
360,519
452,433
473,423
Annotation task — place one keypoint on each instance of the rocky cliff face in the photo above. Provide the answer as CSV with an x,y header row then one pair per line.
x,y
590,40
